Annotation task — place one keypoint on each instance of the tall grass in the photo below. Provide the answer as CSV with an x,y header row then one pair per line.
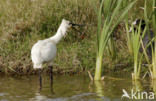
x,y
136,40
135,43
112,16
129,39
150,19
111,49
136,47
153,69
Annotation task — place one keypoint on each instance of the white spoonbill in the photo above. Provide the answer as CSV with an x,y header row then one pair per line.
x,y
44,51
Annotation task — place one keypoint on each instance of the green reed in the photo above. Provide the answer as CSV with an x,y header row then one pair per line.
x,y
112,15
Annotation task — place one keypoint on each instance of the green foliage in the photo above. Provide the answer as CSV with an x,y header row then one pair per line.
x,y
136,43
104,32
129,39
153,69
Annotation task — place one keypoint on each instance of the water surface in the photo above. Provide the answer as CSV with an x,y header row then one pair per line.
x,y
67,88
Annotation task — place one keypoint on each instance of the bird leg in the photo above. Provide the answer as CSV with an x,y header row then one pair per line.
x,y
40,77
51,77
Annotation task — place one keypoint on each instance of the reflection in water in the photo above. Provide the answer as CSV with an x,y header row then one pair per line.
x,y
38,97
153,86
110,90
137,85
65,88
99,88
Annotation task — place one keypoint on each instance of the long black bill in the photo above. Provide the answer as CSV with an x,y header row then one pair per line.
x,y
73,24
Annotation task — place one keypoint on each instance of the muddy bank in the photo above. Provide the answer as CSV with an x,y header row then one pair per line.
x,y
30,71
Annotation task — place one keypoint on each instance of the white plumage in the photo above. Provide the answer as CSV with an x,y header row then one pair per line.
x,y
44,51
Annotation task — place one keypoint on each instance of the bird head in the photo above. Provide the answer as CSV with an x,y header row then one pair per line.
x,y
136,24
65,25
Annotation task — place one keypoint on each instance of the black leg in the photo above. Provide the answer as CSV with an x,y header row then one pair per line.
x,y
51,77
40,77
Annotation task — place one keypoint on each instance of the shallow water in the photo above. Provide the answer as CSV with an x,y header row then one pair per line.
x,y
67,88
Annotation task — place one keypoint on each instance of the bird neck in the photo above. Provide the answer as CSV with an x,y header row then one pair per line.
x,y
59,34
57,37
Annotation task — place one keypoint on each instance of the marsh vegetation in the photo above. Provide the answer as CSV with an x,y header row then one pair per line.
x,y
101,42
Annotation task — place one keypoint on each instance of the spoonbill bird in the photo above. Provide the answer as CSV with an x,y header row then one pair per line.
x,y
44,51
